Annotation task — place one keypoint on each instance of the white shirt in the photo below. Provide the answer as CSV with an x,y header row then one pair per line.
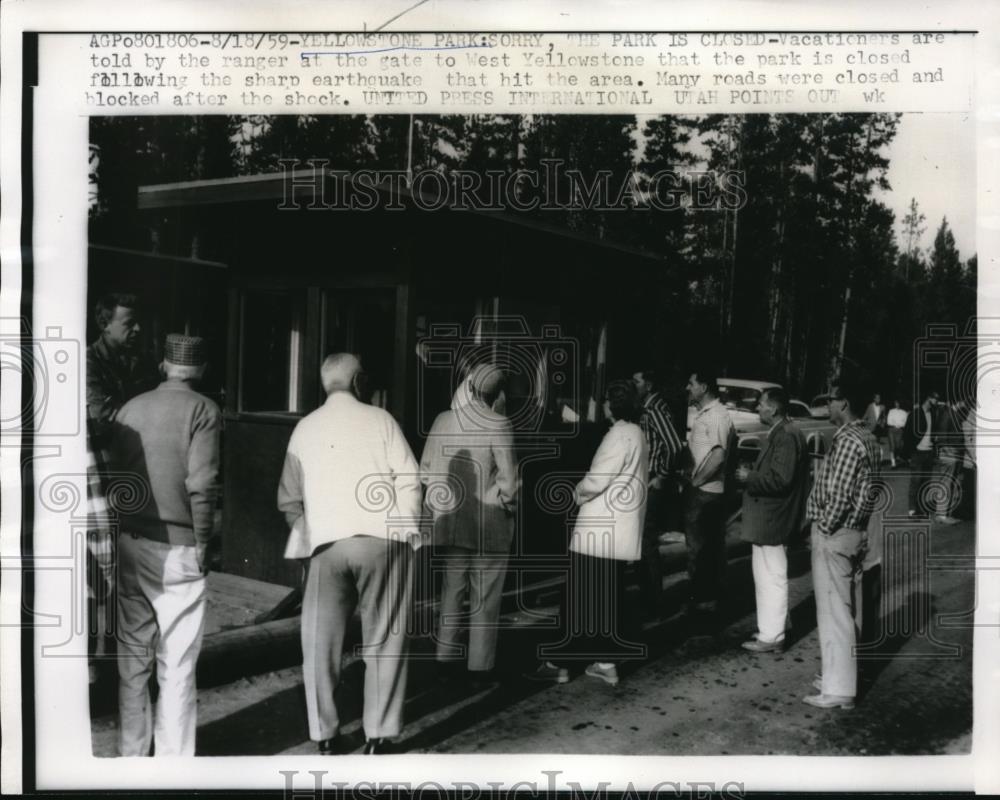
x,y
897,418
709,429
349,471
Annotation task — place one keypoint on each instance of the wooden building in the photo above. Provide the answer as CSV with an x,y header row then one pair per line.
x,y
415,293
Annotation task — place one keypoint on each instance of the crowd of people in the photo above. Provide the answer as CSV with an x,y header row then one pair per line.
x,y
936,441
359,504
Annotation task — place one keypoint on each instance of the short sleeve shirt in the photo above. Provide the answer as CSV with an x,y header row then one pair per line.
x,y
709,429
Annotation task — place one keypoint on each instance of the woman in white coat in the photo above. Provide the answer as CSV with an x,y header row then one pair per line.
x,y
606,536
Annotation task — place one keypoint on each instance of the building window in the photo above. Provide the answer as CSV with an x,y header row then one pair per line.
x,y
271,326
363,322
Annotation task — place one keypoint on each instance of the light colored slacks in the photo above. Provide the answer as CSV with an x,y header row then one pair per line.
x,y
483,577
770,583
836,569
161,616
374,576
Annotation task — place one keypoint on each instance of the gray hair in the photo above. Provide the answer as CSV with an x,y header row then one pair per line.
x,y
338,372
183,372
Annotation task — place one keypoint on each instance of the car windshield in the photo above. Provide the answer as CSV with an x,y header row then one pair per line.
x,y
797,409
742,397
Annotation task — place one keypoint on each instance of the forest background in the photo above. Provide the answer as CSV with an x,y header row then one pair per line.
x,y
813,275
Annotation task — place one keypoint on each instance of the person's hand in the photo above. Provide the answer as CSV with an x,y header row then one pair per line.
x,y
742,473
657,482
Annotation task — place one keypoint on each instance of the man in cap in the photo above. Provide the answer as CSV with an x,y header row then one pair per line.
x,y
350,491
168,439
469,469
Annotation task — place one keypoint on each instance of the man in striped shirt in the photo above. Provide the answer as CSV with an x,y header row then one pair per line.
x,y
661,489
840,506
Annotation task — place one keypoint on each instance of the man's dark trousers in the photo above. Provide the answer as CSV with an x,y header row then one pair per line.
x,y
705,532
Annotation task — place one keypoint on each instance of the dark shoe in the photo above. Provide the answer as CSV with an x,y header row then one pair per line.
x,y
449,671
335,746
701,608
548,671
376,747
483,678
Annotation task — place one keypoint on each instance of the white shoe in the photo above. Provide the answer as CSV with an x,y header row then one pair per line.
x,y
829,701
608,673
944,519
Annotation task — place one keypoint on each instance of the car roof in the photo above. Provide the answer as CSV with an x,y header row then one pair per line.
x,y
747,384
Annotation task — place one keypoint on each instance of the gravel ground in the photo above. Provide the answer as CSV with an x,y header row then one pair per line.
x,y
694,694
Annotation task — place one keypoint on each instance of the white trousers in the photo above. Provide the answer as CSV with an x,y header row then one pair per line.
x,y
770,583
161,616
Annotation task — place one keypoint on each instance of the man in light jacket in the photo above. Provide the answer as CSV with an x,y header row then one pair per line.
x,y
350,491
168,440
469,469
774,503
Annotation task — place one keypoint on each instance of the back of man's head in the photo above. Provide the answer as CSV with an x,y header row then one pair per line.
x,y
338,372
854,392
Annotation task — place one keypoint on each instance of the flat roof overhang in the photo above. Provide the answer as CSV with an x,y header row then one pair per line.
x,y
274,186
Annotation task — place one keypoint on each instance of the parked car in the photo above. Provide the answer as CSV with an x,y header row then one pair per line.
x,y
741,396
818,433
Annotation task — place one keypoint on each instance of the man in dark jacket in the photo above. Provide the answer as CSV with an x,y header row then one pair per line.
x,y
774,502
921,439
117,371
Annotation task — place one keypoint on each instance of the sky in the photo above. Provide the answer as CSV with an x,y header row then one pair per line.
x,y
933,158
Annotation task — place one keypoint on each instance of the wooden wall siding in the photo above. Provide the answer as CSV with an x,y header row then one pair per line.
x,y
254,531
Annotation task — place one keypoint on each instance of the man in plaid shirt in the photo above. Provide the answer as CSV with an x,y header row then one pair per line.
x,y
840,506
662,491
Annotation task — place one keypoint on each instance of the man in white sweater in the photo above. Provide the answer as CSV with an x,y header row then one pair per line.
x,y
350,490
